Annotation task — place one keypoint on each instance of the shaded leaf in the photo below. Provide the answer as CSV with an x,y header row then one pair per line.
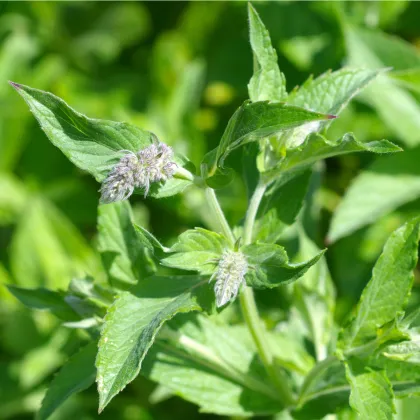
x,y
269,265
125,250
45,299
77,374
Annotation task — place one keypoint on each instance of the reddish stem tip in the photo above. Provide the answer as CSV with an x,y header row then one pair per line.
x,y
331,117
15,85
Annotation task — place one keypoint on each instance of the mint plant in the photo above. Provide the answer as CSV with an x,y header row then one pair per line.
x,y
168,312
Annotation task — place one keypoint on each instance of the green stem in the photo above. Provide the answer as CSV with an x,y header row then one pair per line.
x,y
256,328
250,310
251,213
316,371
218,212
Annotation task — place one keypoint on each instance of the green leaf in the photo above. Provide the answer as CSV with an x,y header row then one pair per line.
x,y
44,299
409,79
371,393
317,147
47,249
256,120
92,145
315,298
269,266
76,375
406,351
214,366
132,323
13,196
397,108
197,250
332,91
387,292
384,186
125,250
267,82
280,206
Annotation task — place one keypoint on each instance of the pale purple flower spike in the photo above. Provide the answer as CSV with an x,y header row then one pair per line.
x,y
138,170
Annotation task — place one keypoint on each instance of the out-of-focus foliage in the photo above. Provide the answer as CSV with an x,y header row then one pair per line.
x,y
180,69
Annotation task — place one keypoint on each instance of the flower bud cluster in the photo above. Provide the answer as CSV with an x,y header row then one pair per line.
x,y
230,274
138,170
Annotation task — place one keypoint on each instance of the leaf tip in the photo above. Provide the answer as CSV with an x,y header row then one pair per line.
x,y
331,117
17,86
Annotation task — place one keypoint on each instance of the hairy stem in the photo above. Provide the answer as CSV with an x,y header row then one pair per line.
x,y
251,213
220,216
250,311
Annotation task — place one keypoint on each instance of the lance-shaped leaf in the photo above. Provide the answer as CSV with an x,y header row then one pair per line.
x,y
280,206
371,393
387,292
317,147
331,92
45,299
267,82
254,121
125,250
132,323
197,250
91,144
269,265
387,184
76,375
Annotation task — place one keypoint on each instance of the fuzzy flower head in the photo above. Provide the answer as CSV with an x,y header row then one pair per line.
x,y
229,275
138,170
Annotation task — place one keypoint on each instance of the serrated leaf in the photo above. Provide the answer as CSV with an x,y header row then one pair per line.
x,y
256,120
317,147
132,323
388,183
397,108
371,393
331,92
77,374
214,366
280,206
91,144
406,351
269,266
44,299
267,82
125,250
387,291
197,250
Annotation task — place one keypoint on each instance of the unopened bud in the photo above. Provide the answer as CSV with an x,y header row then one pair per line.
x,y
230,274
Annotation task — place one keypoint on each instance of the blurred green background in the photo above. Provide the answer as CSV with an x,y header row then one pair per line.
x,y
179,69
